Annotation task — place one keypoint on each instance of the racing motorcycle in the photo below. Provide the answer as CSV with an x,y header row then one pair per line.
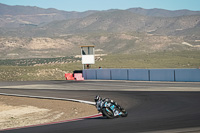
x,y
109,108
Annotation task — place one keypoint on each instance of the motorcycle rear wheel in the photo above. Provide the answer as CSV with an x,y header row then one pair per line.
x,y
108,113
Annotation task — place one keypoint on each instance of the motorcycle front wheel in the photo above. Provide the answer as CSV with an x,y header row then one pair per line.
x,y
108,113
124,113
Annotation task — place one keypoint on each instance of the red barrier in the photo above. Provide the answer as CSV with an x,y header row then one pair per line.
x,y
78,76
69,76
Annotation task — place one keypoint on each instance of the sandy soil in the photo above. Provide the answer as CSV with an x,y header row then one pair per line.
x,y
21,111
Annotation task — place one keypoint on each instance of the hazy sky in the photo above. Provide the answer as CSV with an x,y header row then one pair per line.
x,y
83,5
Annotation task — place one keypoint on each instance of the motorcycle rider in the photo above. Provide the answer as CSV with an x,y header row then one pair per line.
x,y
99,103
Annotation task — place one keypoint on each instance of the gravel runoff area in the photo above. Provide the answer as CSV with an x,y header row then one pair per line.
x,y
21,111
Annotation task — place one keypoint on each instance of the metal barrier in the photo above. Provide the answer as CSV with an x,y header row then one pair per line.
x,y
162,75
180,75
138,74
187,75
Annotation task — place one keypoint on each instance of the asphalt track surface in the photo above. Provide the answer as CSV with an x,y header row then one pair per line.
x,y
152,106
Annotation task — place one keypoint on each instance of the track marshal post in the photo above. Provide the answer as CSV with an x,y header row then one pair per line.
x,y
88,56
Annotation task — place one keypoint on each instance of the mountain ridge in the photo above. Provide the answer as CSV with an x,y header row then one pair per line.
x,y
156,12
23,15
109,21
19,15
54,33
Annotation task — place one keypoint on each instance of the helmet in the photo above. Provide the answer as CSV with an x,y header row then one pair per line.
x,y
97,98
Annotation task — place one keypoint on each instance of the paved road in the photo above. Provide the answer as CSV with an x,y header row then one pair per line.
x,y
152,106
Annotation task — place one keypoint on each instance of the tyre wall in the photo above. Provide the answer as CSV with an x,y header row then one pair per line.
x,y
180,75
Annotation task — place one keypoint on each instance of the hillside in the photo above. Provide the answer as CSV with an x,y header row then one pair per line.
x,y
123,21
33,32
163,13
108,21
18,16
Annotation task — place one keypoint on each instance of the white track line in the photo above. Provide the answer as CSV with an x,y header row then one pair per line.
x,y
53,98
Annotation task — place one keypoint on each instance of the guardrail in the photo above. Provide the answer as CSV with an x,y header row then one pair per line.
x,y
179,75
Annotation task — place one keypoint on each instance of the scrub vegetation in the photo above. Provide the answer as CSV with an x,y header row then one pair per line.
x,y
56,70
181,59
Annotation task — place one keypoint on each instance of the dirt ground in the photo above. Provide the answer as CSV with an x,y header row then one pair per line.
x,y
21,111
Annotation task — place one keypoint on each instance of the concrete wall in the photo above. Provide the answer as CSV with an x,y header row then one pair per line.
x,y
180,75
